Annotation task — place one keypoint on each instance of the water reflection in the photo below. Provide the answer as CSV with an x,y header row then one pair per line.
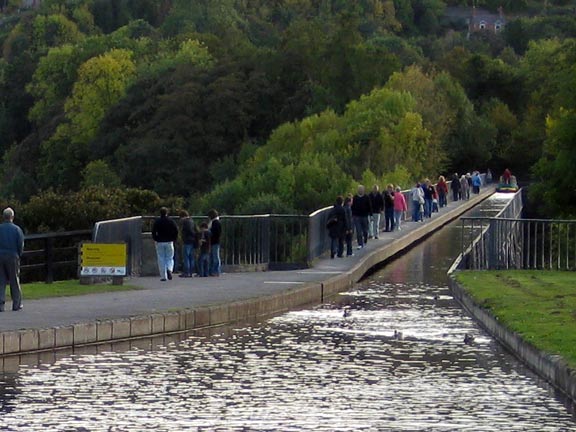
x,y
306,370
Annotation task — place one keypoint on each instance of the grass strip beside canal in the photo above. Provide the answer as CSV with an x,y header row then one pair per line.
x,y
40,290
538,305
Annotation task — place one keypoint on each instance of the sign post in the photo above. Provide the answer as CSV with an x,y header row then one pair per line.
x,y
103,260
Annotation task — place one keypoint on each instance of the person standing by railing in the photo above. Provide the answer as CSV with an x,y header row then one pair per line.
x,y
442,190
476,182
361,211
165,233
428,190
336,226
189,243
11,248
377,204
215,228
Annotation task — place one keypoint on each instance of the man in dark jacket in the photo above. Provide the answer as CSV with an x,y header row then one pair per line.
x,y
361,211
337,228
388,197
165,233
455,187
377,204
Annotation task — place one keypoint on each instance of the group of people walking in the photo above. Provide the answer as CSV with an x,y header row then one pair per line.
x,y
200,244
362,212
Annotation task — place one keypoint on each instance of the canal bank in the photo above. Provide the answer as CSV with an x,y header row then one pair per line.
x,y
553,368
190,304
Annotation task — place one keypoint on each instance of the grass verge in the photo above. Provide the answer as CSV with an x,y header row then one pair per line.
x,y
40,290
538,305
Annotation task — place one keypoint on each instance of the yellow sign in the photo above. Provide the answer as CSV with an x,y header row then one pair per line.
x,y
103,259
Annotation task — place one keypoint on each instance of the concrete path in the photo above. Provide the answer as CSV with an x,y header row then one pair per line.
x,y
180,293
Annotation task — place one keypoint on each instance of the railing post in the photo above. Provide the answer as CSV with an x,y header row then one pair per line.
x,y
49,259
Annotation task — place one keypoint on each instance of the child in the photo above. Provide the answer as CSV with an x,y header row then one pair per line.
x,y
204,244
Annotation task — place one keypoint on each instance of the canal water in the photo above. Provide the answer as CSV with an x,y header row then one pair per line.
x,y
396,363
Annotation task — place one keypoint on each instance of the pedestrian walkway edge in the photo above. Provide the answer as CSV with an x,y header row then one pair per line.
x,y
19,342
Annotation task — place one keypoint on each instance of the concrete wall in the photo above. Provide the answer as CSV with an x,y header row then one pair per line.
x,y
550,367
107,331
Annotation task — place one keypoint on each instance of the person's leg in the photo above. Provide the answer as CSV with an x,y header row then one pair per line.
x,y
415,211
160,253
186,252
333,246
349,244
193,263
376,224
397,216
170,251
365,228
340,246
215,263
3,281
14,277
359,232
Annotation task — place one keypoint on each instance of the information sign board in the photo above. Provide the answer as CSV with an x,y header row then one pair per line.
x,y
103,259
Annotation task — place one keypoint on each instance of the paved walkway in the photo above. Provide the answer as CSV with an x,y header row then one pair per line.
x,y
180,293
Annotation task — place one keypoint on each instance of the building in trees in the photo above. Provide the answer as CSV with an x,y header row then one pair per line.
x,y
485,21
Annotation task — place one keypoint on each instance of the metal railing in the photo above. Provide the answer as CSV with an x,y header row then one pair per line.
x,y
508,242
52,256
249,242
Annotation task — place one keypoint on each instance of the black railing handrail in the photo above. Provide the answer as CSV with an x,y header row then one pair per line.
x,y
52,235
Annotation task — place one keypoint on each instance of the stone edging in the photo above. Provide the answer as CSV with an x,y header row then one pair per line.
x,y
550,367
105,331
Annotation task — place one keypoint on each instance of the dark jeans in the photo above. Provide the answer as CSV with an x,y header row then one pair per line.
x,y
361,225
349,244
188,257
455,195
10,273
215,263
428,207
442,200
389,218
336,246
203,265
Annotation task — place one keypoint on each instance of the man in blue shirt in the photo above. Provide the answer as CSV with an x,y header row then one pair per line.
x,y
11,248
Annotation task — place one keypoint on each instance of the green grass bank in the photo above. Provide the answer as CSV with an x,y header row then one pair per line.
x,y
40,290
538,305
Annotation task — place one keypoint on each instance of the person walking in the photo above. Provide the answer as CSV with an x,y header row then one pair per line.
x,y
455,187
442,191
11,249
215,228
428,190
464,188
165,233
377,204
400,208
476,183
337,228
388,196
349,224
189,243
417,197
361,211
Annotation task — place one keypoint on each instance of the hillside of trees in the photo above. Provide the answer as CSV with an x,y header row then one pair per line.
x,y
274,105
